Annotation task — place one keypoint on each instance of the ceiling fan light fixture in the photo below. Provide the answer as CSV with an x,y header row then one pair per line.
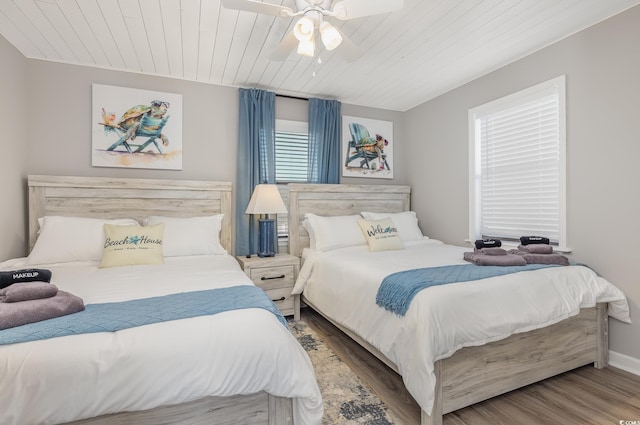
x,y
307,47
303,29
339,10
331,37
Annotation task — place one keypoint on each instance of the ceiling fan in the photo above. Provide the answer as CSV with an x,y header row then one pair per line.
x,y
312,15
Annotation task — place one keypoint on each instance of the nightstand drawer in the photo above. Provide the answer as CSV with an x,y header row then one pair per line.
x,y
283,299
276,276
273,277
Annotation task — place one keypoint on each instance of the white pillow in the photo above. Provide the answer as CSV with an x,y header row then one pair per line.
x,y
381,235
191,235
67,239
406,222
335,232
312,238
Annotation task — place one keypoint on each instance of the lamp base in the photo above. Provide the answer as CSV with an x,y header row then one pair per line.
x,y
267,232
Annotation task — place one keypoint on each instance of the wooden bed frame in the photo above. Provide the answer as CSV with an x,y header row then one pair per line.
x,y
472,374
139,198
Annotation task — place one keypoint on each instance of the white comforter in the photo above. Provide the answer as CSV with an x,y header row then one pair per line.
x,y
343,284
80,376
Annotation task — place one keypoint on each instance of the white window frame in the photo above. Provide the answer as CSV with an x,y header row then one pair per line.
x,y
555,85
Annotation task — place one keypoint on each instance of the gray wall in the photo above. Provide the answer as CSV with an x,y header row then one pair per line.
x,y
602,67
298,110
59,96
14,148
55,130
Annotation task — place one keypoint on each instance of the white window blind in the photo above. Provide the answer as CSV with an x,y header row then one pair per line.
x,y
292,143
291,149
519,187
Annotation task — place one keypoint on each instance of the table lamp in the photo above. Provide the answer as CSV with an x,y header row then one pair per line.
x,y
266,200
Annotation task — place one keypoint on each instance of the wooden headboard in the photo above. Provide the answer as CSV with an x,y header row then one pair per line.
x,y
339,199
102,197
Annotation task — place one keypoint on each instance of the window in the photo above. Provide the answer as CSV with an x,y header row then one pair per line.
x,y
517,165
292,142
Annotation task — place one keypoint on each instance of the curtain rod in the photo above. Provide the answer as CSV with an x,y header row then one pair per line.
x,y
292,97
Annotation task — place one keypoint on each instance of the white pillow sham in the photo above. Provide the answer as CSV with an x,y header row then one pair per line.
x,y
335,232
67,239
406,222
190,235
312,238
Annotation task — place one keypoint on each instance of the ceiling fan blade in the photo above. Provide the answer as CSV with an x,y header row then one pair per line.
x,y
258,7
288,43
351,9
348,49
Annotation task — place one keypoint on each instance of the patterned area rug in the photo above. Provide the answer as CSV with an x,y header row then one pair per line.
x,y
347,400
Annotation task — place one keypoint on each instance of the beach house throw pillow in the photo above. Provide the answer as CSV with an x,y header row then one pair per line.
x,y
132,245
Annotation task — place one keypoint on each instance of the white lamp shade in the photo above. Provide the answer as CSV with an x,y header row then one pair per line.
x,y
266,200
331,38
307,47
303,29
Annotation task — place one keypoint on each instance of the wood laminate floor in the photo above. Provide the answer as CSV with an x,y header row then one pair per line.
x,y
586,395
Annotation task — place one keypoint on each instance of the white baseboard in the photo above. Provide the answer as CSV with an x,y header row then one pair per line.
x,y
624,362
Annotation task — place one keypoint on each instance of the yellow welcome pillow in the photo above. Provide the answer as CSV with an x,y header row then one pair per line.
x,y
381,235
132,245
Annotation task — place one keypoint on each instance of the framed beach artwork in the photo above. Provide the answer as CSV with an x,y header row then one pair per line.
x,y
367,148
135,128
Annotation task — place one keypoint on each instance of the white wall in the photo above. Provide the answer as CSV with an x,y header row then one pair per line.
x,y
13,147
602,65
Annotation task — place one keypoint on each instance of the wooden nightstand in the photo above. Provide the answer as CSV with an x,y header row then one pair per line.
x,y
276,276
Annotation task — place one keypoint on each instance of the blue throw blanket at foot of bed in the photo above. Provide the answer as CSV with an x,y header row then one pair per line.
x,y
398,289
111,317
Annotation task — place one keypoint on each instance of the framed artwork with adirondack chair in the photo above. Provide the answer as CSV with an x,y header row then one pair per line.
x,y
136,128
367,148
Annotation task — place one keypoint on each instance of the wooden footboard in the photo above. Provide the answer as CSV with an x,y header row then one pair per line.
x,y
254,409
474,374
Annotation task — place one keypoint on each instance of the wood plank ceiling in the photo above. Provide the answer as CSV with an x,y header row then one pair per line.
x,y
408,57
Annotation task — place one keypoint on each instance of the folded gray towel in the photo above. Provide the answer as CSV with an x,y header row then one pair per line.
x,y
21,313
27,291
494,260
531,258
536,248
491,251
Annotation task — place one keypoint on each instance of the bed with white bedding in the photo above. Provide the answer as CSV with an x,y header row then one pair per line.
x,y
458,343
240,366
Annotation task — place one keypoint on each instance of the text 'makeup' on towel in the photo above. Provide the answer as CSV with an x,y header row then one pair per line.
x,y
10,277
